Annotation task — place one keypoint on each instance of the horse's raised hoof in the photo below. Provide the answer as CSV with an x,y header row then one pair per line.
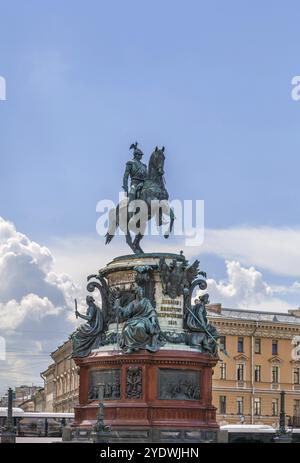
x,y
108,238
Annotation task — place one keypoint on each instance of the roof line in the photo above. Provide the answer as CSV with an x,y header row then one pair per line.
x,y
257,311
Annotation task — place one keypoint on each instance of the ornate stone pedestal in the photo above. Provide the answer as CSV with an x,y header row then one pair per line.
x,y
167,392
160,396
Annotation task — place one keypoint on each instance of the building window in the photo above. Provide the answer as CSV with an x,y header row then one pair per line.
x,y
257,406
274,347
222,343
257,348
240,346
222,404
275,374
223,370
257,373
240,405
297,407
240,372
274,407
296,375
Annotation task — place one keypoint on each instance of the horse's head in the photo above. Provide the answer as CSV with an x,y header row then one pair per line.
x,y
156,164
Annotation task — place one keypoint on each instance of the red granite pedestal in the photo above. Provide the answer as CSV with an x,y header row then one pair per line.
x,y
181,411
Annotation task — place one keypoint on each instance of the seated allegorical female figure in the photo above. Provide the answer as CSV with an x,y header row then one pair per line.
x,y
141,327
88,335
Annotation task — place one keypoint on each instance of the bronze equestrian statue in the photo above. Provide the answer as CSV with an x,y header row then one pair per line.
x,y
148,186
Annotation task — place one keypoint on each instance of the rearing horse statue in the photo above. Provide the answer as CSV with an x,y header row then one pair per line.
x,y
132,215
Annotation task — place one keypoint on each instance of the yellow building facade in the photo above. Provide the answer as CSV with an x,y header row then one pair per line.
x,y
263,359
61,381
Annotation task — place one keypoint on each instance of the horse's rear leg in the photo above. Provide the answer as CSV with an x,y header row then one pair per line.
x,y
136,244
113,223
172,218
129,242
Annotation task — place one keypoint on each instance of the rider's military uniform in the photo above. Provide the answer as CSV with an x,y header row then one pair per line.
x,y
137,171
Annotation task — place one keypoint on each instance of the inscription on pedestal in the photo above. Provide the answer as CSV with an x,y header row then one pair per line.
x,y
111,380
178,384
170,313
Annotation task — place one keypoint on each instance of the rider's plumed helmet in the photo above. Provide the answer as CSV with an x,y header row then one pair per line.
x,y
136,150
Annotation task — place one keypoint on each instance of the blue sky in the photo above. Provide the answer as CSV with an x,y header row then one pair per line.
x,y
210,80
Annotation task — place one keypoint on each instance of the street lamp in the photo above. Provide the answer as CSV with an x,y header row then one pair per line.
x,y
8,435
282,436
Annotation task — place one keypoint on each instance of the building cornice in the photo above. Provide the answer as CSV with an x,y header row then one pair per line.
x,y
263,329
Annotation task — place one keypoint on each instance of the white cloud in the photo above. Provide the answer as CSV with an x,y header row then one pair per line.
x,y
36,305
274,249
27,268
245,288
31,306
13,244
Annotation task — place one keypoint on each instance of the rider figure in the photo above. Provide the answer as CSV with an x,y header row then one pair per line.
x,y
137,171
